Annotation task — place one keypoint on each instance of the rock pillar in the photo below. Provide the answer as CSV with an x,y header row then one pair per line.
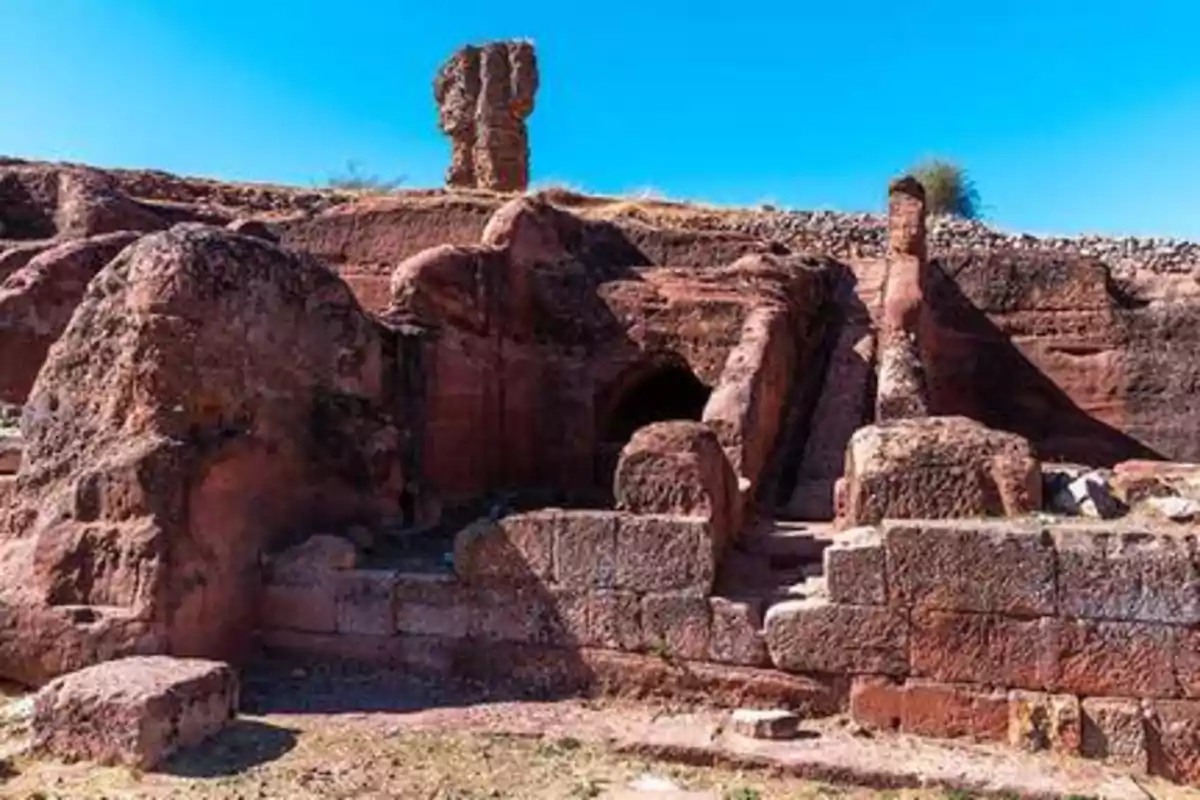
x,y
484,94
902,392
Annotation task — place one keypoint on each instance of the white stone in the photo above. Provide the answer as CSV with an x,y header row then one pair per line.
x,y
764,724
1176,509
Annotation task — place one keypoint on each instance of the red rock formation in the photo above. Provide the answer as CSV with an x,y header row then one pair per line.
x,y
901,387
1048,346
537,342
484,95
37,301
210,394
40,201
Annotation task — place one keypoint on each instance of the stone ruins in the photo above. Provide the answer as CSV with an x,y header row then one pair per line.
x,y
562,444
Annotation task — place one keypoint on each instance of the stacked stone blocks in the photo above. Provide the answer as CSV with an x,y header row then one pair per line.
x,y
1078,639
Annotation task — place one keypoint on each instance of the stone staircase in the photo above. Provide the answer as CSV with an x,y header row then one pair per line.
x,y
776,560
846,399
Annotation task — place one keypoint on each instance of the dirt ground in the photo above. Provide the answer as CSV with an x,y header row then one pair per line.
x,y
320,757
320,732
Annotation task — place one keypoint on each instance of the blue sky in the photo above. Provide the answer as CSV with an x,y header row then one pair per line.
x,y
1071,116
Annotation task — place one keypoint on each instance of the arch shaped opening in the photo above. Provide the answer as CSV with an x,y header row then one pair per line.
x,y
671,391
664,391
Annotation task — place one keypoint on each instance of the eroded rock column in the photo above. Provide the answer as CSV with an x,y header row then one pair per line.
x,y
902,391
484,94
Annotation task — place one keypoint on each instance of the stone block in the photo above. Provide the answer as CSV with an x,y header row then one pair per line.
x,y
365,602
984,649
517,549
134,711
432,605
585,549
927,708
678,467
1038,722
938,468
1173,741
816,635
855,568
304,606
664,554
615,620
877,702
974,567
952,711
737,632
571,614
764,724
1138,577
1115,659
519,614
429,654
676,624
1114,729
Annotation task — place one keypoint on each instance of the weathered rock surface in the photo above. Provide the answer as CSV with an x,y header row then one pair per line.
x,y
210,393
134,711
680,468
542,351
44,201
1053,348
37,301
484,95
936,468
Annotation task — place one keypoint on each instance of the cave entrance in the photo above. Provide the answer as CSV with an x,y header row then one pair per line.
x,y
666,392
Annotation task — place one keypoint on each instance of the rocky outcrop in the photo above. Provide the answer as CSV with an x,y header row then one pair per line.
x,y
484,95
210,394
1052,348
44,201
37,301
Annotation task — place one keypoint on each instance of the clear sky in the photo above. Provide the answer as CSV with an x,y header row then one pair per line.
x,y
1071,116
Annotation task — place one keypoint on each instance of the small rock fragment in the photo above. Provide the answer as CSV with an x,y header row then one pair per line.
x,y
758,724
1176,509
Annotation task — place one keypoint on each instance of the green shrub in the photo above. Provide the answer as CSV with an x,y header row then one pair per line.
x,y
948,189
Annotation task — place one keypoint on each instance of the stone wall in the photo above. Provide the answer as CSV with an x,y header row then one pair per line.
x,y
1077,639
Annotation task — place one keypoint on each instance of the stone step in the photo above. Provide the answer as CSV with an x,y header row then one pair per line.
x,y
785,541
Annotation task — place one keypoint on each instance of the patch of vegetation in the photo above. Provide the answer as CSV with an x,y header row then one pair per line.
x,y
587,789
354,180
949,190
743,793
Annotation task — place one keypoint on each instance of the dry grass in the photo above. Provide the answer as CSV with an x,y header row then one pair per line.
x,y
339,757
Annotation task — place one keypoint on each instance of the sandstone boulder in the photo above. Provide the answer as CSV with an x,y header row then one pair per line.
x,y
938,467
37,301
134,711
679,468
210,393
